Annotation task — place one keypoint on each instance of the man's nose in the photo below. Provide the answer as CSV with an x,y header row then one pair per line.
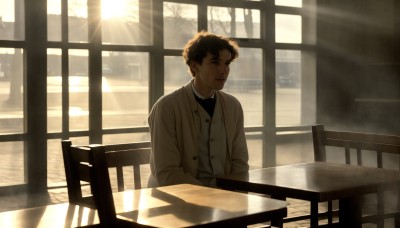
x,y
224,69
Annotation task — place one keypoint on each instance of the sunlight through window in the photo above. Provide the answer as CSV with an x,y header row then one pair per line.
x,y
293,3
120,9
111,8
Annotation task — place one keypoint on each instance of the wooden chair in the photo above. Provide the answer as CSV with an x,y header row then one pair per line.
x,y
356,147
117,156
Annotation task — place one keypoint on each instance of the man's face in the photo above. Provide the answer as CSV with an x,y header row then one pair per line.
x,y
212,73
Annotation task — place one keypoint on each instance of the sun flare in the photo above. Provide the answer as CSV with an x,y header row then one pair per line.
x,y
113,9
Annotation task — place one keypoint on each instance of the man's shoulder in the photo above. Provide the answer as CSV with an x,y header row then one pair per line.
x,y
171,97
227,97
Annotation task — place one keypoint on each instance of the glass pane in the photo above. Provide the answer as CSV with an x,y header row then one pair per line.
x,y
294,3
180,24
77,21
245,83
78,90
55,160
234,22
176,73
55,163
288,87
125,77
54,20
12,20
54,90
288,28
12,167
254,145
11,96
120,21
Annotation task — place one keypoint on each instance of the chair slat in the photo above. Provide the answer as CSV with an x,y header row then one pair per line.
x,y
347,154
128,157
127,146
120,178
359,157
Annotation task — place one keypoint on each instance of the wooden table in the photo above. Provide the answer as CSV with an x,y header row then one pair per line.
x,y
171,206
188,205
317,182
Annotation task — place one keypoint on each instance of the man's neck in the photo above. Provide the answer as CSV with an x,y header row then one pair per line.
x,y
200,95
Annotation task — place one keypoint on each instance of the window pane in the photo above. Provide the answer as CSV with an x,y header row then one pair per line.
x,y
234,22
78,90
54,20
245,82
77,21
125,77
288,28
288,87
294,3
180,24
120,21
12,20
54,90
176,73
12,167
11,96
254,145
55,160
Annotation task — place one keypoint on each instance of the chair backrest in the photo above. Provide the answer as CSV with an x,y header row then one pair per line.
x,y
77,162
354,144
378,143
115,156
129,154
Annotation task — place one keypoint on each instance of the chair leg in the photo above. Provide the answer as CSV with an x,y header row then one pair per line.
x,y
314,214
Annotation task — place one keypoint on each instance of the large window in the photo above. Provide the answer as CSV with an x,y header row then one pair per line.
x,y
98,67
12,93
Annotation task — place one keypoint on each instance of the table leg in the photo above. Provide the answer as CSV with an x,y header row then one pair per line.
x,y
277,222
350,212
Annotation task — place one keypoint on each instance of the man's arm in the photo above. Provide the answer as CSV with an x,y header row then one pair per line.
x,y
166,157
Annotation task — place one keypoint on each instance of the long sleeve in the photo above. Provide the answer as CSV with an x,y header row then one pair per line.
x,y
168,160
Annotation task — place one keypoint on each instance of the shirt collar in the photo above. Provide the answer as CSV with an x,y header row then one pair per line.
x,y
199,95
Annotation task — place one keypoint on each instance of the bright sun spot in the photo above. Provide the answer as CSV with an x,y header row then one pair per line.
x,y
113,8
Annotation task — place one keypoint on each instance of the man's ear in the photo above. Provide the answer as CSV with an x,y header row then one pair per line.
x,y
193,66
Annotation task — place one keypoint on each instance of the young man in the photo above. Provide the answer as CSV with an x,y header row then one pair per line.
x,y
197,131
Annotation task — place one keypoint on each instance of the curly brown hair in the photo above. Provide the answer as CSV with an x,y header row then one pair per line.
x,y
205,42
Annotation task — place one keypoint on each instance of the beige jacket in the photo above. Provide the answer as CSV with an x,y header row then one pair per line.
x,y
173,129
